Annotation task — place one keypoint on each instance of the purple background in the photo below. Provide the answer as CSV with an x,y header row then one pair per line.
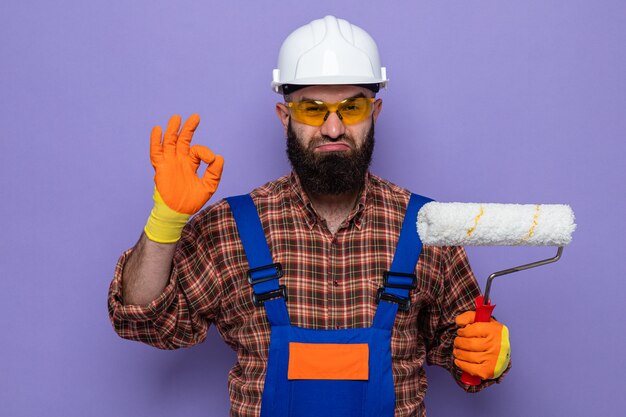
x,y
489,101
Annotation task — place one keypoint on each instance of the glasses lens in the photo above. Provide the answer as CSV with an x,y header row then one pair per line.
x,y
313,112
355,110
310,112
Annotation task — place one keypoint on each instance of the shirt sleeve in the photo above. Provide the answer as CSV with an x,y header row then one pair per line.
x,y
453,293
181,315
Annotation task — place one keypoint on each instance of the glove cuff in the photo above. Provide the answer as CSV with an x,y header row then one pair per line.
x,y
164,224
504,355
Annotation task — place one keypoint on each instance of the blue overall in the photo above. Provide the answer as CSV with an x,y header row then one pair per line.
x,y
369,396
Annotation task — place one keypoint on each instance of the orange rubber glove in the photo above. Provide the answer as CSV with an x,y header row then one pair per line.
x,y
179,192
481,349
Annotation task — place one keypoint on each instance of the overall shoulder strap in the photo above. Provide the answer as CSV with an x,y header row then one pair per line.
x,y
400,279
263,274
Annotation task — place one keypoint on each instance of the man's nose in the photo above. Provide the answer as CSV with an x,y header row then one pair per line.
x,y
333,127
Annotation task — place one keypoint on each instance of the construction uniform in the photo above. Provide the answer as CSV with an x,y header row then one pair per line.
x,y
331,282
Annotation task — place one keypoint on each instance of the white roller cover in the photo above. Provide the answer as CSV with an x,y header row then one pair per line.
x,y
475,224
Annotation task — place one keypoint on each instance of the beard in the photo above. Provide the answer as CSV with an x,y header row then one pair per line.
x,y
330,173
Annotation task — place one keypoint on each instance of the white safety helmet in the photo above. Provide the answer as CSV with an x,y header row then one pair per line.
x,y
328,51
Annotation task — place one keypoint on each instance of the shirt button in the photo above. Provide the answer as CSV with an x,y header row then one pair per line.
x,y
337,327
335,283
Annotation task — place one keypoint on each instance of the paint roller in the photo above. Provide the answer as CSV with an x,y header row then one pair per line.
x,y
473,224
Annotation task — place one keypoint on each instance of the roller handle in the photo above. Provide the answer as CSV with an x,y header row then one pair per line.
x,y
483,314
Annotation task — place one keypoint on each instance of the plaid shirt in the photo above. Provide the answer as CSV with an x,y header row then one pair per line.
x,y
331,284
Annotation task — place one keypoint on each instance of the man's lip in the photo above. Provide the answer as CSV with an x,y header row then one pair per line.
x,y
330,147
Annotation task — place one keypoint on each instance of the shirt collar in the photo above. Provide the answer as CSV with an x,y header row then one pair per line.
x,y
305,206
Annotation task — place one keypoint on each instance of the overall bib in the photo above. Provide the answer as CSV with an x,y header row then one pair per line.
x,y
328,373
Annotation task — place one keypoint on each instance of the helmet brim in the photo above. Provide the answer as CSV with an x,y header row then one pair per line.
x,y
286,89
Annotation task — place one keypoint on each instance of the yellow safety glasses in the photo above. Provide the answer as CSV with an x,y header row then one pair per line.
x,y
315,112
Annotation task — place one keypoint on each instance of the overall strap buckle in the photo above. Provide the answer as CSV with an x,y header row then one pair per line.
x,y
404,304
263,274
259,299
400,281
278,268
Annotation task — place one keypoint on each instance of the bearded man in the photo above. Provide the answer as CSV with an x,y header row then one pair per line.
x,y
318,279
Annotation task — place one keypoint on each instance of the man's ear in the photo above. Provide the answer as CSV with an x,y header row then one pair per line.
x,y
282,111
378,106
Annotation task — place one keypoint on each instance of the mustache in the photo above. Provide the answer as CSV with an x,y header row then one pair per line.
x,y
323,140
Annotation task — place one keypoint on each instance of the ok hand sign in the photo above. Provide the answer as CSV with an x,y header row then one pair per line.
x,y
176,165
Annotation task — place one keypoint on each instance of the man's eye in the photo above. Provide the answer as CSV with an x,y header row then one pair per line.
x,y
352,108
312,107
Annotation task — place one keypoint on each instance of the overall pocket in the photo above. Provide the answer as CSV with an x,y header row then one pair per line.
x,y
327,379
